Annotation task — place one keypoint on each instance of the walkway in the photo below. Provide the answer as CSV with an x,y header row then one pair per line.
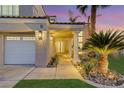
x,y
11,74
64,70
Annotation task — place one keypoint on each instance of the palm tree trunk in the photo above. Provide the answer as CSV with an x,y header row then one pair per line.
x,y
103,64
89,28
93,18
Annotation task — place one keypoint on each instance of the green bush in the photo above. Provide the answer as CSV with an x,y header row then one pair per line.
x,y
89,66
53,62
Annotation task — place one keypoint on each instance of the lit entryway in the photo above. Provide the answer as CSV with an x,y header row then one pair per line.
x,y
60,47
19,50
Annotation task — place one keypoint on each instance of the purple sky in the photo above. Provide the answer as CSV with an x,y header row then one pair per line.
x,y
112,17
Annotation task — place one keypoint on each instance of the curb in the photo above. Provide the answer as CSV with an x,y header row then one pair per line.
x,y
101,86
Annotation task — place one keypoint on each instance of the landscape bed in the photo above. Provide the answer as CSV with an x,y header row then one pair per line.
x,y
116,69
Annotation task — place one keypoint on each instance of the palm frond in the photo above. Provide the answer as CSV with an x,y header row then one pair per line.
x,y
82,9
107,42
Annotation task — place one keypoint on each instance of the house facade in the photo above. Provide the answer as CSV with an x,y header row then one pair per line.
x,y
27,36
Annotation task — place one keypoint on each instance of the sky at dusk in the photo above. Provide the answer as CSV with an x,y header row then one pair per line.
x,y
111,17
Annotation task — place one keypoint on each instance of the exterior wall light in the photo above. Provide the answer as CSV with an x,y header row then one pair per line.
x,y
40,35
51,38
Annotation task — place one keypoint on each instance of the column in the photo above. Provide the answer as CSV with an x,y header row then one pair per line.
x,y
70,47
52,47
38,51
46,48
75,47
42,49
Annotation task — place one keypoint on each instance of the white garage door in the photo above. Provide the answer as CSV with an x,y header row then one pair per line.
x,y
19,50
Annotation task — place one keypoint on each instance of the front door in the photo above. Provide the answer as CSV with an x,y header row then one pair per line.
x,y
60,47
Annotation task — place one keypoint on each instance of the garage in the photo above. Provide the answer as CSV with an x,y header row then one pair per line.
x,y
19,50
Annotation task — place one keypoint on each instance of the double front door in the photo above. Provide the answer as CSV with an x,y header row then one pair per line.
x,y
62,46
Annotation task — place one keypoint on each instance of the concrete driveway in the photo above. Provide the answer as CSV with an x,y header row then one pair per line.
x,y
11,74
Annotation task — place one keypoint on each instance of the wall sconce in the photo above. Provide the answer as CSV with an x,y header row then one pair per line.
x,y
40,35
51,38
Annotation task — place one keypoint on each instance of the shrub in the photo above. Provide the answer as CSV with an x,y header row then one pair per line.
x,y
53,62
90,66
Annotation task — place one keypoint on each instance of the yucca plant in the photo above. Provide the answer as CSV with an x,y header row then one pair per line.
x,y
105,43
88,67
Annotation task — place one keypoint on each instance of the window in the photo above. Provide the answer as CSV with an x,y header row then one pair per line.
x,y
80,45
5,10
28,38
15,10
12,38
81,33
9,10
80,40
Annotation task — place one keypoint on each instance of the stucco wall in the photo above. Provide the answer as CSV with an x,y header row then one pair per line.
x,y
42,49
1,50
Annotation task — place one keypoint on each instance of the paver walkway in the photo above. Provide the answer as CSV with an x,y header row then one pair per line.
x,y
64,70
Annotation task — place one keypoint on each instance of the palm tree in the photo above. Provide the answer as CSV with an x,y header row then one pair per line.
x,y
105,43
83,9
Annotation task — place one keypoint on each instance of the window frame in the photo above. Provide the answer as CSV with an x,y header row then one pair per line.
x,y
9,10
80,43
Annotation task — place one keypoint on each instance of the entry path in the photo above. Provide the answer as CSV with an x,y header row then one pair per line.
x,y
64,70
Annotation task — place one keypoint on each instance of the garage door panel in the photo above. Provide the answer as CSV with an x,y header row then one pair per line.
x,y
19,51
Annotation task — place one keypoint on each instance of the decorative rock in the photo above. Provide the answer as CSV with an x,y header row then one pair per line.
x,y
120,82
111,79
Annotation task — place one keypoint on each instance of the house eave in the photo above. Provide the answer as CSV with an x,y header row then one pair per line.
x,y
38,23
23,20
72,27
